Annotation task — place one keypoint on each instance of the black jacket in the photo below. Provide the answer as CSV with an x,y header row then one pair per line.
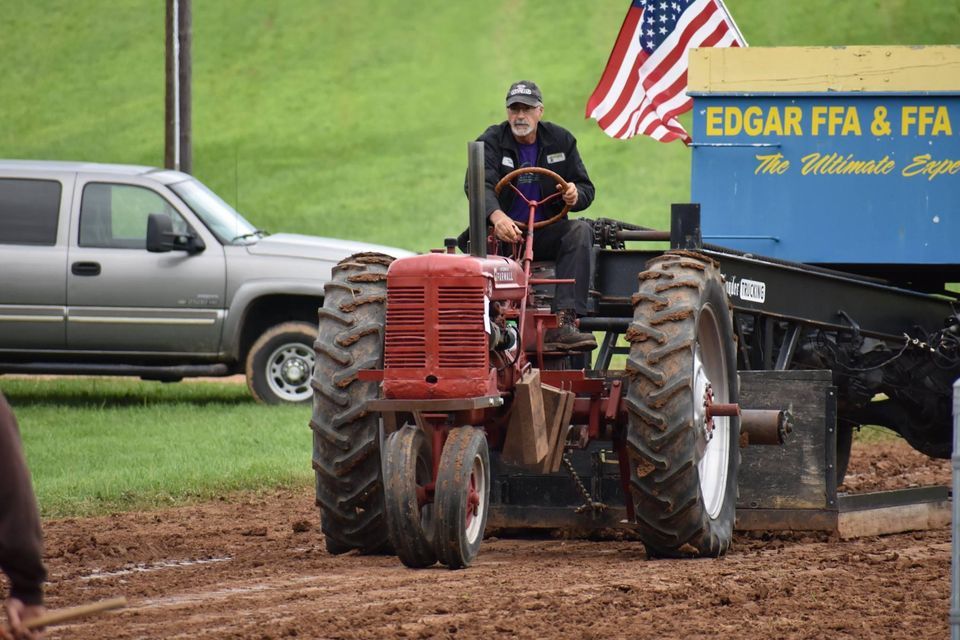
x,y
558,152
21,546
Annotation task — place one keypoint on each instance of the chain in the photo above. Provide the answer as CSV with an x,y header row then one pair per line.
x,y
590,504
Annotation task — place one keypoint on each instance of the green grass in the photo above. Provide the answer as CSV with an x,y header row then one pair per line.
x,y
350,119
101,445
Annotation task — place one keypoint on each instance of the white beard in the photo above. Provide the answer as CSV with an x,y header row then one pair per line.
x,y
520,130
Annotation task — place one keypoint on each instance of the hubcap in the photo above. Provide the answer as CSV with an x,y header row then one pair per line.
x,y
288,371
713,434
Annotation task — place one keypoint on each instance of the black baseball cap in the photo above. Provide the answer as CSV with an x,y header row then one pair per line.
x,y
524,92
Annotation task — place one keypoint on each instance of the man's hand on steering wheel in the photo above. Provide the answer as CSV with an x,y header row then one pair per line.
x,y
570,194
566,190
504,228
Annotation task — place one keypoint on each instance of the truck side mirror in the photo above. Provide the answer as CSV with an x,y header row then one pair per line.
x,y
162,238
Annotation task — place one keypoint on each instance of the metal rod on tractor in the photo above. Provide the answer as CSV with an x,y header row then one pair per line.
x,y
478,221
765,426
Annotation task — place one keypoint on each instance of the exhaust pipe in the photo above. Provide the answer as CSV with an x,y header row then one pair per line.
x,y
475,182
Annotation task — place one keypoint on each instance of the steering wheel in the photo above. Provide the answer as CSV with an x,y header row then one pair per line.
x,y
507,179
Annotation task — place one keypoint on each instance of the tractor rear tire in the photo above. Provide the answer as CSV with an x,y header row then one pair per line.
x,y
346,437
462,496
407,466
683,473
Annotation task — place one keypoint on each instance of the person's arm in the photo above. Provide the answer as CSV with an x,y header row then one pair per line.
x,y
491,176
21,540
577,174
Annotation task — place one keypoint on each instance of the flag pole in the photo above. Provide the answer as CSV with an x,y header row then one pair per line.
x,y
733,22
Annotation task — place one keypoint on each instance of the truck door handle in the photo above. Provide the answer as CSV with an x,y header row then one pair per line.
x,y
85,268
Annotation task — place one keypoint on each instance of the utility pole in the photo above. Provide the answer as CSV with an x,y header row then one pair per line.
x,y
178,147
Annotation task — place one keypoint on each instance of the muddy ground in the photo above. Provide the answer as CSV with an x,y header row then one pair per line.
x,y
254,566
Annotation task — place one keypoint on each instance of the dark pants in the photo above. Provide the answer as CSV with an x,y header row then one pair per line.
x,y
568,243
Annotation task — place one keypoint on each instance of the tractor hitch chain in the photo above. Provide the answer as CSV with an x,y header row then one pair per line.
x,y
589,503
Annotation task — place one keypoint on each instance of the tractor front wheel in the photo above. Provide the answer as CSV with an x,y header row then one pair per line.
x,y
462,497
407,470
683,460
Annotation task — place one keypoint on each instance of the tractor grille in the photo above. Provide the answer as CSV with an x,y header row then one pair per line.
x,y
440,328
405,343
463,339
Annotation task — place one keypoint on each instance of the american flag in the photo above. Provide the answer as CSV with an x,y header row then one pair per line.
x,y
643,87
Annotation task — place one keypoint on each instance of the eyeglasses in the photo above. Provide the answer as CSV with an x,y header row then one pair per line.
x,y
519,107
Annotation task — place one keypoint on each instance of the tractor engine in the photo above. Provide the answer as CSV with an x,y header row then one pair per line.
x,y
447,323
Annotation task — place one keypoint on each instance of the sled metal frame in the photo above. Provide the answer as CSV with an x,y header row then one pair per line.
x,y
791,488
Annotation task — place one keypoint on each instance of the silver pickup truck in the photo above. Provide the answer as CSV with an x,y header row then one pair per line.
x,y
139,271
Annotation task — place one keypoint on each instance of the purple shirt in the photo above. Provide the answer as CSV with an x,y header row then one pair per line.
x,y
527,184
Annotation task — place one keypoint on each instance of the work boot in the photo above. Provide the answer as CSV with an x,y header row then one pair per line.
x,y
566,337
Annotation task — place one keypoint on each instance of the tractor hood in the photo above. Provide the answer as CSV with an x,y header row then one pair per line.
x,y
295,245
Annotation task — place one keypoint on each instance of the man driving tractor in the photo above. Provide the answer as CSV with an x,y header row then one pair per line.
x,y
523,140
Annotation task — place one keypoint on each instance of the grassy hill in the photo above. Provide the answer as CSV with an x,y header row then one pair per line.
x,y
351,119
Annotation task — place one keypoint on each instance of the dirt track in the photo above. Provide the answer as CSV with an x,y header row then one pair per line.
x,y
254,566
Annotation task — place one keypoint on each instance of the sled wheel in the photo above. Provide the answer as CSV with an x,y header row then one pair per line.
x,y
407,469
683,471
462,496
346,438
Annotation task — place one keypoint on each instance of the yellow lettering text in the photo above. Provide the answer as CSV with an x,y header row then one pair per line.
x,y
924,120
851,123
756,120
772,163
714,121
818,118
942,122
908,117
732,121
836,119
773,125
753,121
791,120
924,164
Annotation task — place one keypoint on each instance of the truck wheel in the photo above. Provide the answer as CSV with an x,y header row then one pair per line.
x,y
462,497
346,438
280,363
683,471
407,468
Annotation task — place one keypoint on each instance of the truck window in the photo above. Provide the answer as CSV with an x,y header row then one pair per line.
x,y
220,218
115,215
29,211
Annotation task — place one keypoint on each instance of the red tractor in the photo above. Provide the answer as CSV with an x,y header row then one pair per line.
x,y
429,365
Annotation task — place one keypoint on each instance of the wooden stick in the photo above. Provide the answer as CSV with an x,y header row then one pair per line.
x,y
70,613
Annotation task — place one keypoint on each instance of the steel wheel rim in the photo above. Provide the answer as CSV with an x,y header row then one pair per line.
x,y
476,486
710,372
289,368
